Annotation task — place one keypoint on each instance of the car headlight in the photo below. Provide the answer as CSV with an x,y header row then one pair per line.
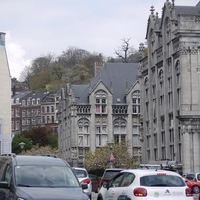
x,y
20,198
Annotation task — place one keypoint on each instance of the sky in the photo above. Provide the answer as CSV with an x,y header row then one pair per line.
x,y
36,28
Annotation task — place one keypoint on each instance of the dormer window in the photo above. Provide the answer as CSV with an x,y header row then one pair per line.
x,y
101,102
33,101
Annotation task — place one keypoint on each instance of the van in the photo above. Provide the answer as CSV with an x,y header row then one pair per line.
x,y
25,177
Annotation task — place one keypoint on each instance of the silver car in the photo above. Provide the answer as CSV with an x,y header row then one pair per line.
x,y
83,177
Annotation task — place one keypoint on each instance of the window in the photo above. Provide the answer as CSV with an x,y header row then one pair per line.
x,y
17,114
38,101
83,132
136,102
33,101
52,109
23,102
47,109
23,113
17,125
101,102
101,135
119,130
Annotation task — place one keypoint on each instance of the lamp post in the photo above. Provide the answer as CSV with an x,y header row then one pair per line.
x,y
22,144
111,159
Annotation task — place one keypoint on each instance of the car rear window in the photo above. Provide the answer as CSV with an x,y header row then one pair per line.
x,y
166,180
80,173
198,177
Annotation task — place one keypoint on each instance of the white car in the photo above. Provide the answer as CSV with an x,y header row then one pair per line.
x,y
139,184
83,177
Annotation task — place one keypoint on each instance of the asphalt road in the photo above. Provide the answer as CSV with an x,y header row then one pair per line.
x,y
94,196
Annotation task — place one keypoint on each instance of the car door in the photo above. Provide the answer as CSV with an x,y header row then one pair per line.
x,y
114,187
8,193
127,180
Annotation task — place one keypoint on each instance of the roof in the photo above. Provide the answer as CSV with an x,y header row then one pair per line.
x,y
117,78
187,10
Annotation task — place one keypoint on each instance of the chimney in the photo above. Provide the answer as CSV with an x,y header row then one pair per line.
x,y
98,66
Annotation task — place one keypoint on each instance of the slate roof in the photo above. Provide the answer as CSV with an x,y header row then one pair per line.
x,y
117,78
188,10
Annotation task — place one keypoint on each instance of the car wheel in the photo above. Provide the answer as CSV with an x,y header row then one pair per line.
x,y
99,197
90,197
196,189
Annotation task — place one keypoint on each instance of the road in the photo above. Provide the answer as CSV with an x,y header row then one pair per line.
x,y
94,196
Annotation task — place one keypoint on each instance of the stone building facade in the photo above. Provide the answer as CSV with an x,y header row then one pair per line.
x,y
170,87
105,111
5,99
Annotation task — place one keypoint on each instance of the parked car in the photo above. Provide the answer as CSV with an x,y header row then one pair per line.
x,y
137,184
95,182
193,176
194,185
83,177
25,177
108,174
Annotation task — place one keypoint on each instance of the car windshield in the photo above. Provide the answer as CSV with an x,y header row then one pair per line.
x,y
45,176
167,180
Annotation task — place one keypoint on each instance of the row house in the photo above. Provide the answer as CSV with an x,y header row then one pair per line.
x,y
169,87
105,111
30,109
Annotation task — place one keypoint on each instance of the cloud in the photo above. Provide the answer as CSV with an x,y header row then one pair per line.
x,y
16,57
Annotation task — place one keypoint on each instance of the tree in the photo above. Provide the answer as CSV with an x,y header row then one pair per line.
x,y
72,56
127,53
26,75
58,71
39,135
100,158
36,150
20,138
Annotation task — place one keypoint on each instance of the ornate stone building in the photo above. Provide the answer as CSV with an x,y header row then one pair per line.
x,y
170,87
5,99
106,110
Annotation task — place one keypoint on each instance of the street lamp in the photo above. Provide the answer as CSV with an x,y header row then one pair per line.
x,y
111,159
22,144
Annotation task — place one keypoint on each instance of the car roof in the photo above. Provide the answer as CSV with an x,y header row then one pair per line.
x,y
39,160
114,169
150,172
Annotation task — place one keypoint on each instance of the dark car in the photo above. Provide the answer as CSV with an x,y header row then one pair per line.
x,y
95,182
38,177
109,173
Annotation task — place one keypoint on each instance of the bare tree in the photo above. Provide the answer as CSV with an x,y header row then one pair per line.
x,y
125,52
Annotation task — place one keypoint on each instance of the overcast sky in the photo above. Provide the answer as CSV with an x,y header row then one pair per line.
x,y
37,27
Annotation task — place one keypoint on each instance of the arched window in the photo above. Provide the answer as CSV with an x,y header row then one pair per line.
x,y
101,101
120,129
136,102
83,133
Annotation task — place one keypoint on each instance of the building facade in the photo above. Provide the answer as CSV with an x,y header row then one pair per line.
x,y
105,111
170,83
5,102
31,109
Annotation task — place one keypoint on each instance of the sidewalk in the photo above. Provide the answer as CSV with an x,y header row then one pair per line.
x,y
196,196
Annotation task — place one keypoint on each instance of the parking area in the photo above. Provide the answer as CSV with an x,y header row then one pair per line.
x,y
94,196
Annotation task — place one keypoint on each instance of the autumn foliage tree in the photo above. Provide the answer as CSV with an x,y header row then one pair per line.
x,y
100,158
41,136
